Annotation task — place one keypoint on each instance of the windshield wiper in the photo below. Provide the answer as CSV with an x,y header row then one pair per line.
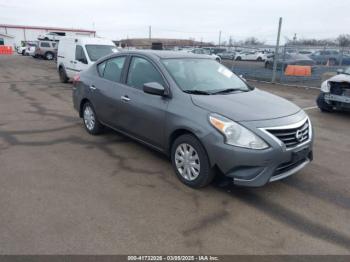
x,y
228,90
197,92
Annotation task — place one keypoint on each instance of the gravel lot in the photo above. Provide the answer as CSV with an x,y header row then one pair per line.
x,y
66,192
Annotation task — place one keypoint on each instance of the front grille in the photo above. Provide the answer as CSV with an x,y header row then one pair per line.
x,y
292,137
339,89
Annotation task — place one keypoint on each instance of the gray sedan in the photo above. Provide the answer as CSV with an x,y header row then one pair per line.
x,y
289,59
196,111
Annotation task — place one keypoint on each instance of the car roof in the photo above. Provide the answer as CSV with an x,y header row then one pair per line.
x,y
160,54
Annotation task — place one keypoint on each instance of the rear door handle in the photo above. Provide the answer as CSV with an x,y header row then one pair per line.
x,y
125,98
92,87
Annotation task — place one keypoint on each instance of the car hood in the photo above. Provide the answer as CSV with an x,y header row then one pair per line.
x,y
340,78
247,106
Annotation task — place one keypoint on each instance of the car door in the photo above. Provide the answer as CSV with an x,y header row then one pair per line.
x,y
143,115
106,90
251,56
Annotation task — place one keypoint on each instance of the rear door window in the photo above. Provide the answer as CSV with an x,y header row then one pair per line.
x,y
44,44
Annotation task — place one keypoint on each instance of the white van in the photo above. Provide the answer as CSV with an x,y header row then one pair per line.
x,y
77,54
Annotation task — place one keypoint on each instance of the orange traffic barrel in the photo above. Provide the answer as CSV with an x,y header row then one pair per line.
x,y
6,50
297,70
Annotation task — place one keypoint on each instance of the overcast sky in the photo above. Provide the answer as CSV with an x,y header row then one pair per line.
x,y
186,19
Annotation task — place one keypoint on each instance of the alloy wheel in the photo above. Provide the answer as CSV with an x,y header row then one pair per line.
x,y
89,118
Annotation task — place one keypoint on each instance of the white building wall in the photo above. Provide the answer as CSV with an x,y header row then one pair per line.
x,y
21,34
8,41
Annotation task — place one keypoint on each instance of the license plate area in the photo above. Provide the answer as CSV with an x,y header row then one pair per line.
x,y
344,98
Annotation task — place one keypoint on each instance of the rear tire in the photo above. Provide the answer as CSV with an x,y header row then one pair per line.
x,y
239,58
49,56
24,52
91,123
259,59
63,76
190,162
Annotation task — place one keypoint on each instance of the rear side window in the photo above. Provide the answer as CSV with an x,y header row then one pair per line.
x,y
44,44
141,72
112,69
80,54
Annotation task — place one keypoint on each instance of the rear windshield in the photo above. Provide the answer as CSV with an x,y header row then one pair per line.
x,y
95,52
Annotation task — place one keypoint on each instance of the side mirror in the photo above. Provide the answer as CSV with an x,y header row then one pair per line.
x,y
340,71
242,77
154,88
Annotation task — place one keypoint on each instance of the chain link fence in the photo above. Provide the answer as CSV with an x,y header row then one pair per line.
x,y
320,62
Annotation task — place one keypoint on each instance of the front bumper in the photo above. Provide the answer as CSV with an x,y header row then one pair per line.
x,y
257,167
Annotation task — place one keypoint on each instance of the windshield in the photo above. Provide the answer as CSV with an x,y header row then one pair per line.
x,y
95,52
203,75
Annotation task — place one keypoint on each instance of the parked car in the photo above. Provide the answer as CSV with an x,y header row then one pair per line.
x,y
21,50
52,36
289,59
77,54
305,52
215,50
30,49
46,50
202,51
251,55
24,50
227,55
332,57
335,92
199,113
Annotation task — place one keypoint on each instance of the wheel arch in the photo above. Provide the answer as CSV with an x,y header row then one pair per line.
x,y
49,52
81,106
185,131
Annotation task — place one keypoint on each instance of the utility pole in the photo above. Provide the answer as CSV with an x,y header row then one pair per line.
x,y
219,38
150,32
275,59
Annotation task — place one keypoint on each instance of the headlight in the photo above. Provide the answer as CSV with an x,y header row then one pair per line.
x,y
236,134
326,86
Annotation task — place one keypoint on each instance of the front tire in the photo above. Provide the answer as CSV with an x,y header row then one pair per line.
x,y
91,123
190,162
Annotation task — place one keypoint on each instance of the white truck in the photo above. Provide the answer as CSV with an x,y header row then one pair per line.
x,y
76,54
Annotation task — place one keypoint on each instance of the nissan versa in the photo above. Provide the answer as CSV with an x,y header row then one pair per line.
x,y
199,113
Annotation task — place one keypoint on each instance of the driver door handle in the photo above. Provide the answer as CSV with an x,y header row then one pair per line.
x,y
125,98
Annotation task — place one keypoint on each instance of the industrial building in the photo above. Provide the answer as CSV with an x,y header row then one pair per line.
x,y
14,35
